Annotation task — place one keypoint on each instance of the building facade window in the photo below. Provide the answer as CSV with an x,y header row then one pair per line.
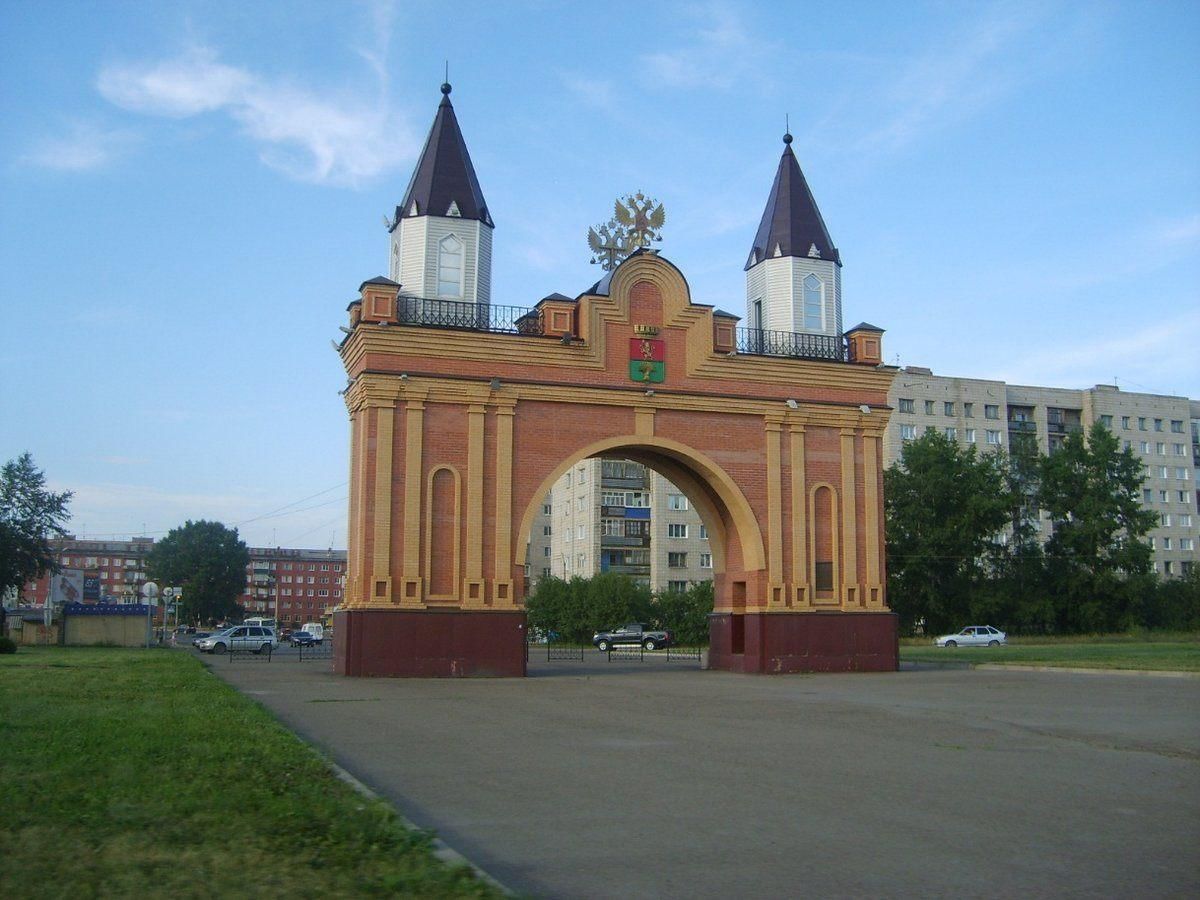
x,y
908,432
1125,422
677,530
929,407
677,560
450,267
814,295
948,407
677,502
1106,421
906,406
704,532
969,410
970,435
1177,426
991,411
677,587
706,560
952,434
993,438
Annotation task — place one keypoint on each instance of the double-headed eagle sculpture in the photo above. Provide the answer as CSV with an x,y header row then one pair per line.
x,y
637,222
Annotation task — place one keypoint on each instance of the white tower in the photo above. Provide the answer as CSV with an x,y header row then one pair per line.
x,y
793,273
441,235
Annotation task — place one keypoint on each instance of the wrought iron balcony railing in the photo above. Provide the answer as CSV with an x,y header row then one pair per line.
x,y
468,316
761,342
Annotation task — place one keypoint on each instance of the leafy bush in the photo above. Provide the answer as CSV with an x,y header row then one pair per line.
x,y
574,610
7,645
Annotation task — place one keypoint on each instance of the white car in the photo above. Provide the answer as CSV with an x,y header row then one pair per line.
x,y
973,636
255,638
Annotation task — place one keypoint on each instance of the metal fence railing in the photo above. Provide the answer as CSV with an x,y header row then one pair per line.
x,y
799,345
323,650
468,316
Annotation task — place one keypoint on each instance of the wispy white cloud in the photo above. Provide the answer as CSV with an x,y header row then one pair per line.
x,y
717,53
319,136
80,147
1139,358
966,70
1177,232
599,93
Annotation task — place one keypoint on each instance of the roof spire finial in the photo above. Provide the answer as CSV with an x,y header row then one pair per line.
x,y
787,129
446,83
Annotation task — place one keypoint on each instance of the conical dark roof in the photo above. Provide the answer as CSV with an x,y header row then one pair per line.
x,y
791,220
444,174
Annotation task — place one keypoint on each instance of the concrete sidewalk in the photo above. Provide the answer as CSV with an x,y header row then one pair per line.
x,y
614,779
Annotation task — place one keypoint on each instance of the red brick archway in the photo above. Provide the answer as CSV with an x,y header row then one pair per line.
x,y
460,423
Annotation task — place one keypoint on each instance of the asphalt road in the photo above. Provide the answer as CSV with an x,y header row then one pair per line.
x,y
658,780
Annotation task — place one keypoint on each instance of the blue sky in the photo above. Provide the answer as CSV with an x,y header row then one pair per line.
x,y
193,191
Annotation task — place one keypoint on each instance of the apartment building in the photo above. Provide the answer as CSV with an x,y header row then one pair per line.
x,y
291,585
994,414
618,516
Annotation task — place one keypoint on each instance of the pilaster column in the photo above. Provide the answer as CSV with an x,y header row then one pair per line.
x,y
776,590
502,583
412,589
802,597
871,502
472,589
850,588
381,545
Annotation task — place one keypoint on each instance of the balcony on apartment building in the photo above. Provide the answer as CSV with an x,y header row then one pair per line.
x,y
623,475
1020,420
1063,421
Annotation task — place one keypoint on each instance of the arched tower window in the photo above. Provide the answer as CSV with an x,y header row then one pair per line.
x,y
814,306
450,267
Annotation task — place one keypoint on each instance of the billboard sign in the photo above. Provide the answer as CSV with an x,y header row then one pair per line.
x,y
91,588
66,587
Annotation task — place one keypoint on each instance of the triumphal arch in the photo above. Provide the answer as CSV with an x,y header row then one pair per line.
x,y
463,415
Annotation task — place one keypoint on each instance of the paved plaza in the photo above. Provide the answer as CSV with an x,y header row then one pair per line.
x,y
598,779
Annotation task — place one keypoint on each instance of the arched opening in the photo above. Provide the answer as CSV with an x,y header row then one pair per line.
x,y
647,507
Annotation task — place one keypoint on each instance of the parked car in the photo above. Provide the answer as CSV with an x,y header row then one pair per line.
x,y
255,638
303,639
631,634
973,636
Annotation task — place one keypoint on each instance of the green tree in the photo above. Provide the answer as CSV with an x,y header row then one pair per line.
x,y
945,507
209,562
1101,564
685,613
574,610
1016,593
30,516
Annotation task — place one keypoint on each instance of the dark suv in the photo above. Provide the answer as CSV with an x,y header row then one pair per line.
x,y
632,634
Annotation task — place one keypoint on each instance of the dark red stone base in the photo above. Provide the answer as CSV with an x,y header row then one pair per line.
x,y
429,643
779,643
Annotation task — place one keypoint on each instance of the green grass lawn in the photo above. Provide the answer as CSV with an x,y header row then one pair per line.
x,y
1174,652
135,772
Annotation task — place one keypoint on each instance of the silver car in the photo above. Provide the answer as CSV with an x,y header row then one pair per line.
x,y
256,638
973,636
